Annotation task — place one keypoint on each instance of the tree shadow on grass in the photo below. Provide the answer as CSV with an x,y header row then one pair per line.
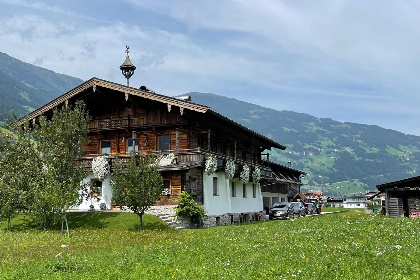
x,y
151,222
20,223
94,220
114,221
90,220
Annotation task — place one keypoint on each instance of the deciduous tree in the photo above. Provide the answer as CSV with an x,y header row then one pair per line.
x,y
137,184
46,169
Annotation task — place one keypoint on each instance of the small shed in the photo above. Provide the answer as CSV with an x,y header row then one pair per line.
x,y
402,198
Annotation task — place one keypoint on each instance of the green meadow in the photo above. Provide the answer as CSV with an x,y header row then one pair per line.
x,y
105,245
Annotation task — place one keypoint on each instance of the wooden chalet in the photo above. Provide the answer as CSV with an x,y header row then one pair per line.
x,y
402,198
125,119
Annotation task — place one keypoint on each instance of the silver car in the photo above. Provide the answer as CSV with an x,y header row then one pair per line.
x,y
299,208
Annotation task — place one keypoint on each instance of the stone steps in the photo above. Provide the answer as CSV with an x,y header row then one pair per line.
x,y
166,214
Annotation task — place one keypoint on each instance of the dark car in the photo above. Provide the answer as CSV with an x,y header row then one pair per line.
x,y
299,208
310,208
281,210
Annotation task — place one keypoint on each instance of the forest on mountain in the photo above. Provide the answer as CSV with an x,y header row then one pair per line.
x,y
339,158
25,87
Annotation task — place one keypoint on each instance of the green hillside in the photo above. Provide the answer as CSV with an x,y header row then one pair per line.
x,y
340,158
25,87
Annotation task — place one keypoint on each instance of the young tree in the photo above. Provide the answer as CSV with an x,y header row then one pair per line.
x,y
40,170
58,143
15,179
138,185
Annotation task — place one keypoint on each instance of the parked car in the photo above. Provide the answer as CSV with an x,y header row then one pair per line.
x,y
317,204
310,208
281,210
299,208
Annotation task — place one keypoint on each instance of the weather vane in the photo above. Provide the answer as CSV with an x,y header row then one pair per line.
x,y
127,68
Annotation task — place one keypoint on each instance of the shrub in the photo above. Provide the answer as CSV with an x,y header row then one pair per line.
x,y
188,208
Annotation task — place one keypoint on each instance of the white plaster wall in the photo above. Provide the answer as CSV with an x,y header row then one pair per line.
x,y
105,198
219,204
274,197
224,202
354,204
249,203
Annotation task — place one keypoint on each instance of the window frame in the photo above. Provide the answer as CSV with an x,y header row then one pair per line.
x,y
215,187
244,190
167,190
158,144
96,191
101,149
233,189
135,147
254,190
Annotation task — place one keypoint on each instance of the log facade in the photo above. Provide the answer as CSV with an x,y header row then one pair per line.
x,y
125,119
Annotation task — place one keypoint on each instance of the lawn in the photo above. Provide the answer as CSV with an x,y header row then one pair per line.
x,y
348,245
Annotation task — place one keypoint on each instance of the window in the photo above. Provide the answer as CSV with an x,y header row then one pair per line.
x,y
96,188
163,143
254,191
215,187
244,190
132,145
166,187
105,147
233,189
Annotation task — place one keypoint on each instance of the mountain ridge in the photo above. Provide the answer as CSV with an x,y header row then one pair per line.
x,y
339,157
24,87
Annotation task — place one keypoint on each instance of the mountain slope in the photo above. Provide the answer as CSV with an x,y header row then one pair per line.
x,y
339,157
24,87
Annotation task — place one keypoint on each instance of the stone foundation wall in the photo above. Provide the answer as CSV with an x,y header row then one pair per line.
x,y
232,218
168,215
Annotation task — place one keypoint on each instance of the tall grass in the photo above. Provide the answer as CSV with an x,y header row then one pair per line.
x,y
340,246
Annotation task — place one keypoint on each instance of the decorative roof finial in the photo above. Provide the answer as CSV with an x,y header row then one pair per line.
x,y
127,68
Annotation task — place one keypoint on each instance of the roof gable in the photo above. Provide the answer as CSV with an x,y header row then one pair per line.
x,y
95,83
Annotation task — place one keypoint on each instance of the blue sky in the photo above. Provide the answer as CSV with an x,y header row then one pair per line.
x,y
352,61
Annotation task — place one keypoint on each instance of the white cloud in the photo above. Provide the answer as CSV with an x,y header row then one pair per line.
x,y
317,57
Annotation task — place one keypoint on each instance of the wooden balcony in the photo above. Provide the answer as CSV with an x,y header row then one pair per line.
x,y
130,122
183,160
119,123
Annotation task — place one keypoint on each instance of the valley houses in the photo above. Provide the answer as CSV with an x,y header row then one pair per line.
x,y
187,136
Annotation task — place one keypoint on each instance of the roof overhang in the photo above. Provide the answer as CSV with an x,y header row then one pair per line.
x,y
95,83
91,86
406,184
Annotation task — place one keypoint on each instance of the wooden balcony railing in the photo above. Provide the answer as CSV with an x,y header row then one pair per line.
x,y
188,157
108,124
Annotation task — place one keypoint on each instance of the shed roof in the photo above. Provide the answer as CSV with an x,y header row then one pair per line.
x,y
409,182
